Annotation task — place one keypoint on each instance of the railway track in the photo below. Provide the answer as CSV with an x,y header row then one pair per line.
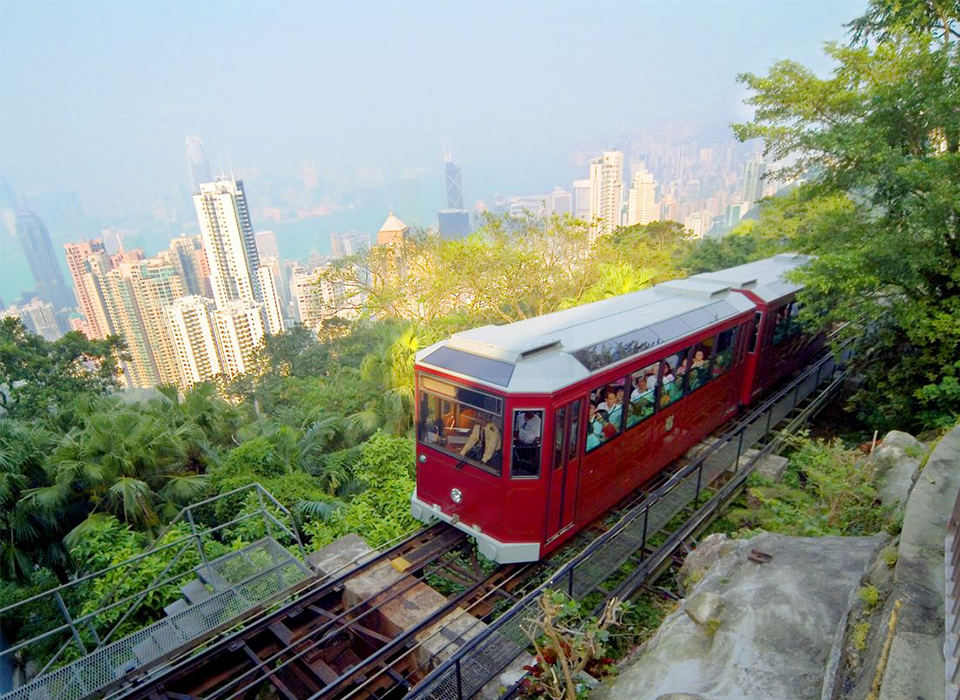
x,y
379,629
357,634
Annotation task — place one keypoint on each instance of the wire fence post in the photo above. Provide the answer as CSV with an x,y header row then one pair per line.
x,y
796,393
570,583
69,619
459,682
199,541
263,513
696,498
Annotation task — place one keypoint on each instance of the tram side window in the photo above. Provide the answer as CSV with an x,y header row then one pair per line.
x,y
643,393
781,324
559,424
726,345
606,413
699,365
672,372
453,419
527,434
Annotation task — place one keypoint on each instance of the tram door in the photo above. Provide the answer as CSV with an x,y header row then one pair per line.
x,y
564,467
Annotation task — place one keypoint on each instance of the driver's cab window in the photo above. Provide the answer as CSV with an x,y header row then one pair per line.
x,y
527,436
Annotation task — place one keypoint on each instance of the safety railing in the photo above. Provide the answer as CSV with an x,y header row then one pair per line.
x,y
951,604
206,572
641,531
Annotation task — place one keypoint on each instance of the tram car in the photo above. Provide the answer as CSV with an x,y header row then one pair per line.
x,y
528,431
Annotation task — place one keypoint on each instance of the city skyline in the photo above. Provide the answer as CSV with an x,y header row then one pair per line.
x,y
340,169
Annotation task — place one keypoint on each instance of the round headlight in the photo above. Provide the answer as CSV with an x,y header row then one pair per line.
x,y
455,495
423,459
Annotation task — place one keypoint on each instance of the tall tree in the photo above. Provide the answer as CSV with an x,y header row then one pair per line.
x,y
38,377
882,131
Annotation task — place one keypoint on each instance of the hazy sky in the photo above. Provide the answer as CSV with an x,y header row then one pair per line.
x,y
98,97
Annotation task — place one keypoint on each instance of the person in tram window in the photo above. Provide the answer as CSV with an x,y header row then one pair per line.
x,y
594,435
607,428
530,428
483,445
698,360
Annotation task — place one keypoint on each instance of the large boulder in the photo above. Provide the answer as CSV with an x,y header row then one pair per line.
x,y
897,463
706,554
764,625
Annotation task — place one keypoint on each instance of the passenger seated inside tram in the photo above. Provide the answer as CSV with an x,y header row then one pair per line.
x,y
484,442
594,435
607,429
641,401
529,428
698,371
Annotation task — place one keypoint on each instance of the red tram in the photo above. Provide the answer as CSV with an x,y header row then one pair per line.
x,y
527,432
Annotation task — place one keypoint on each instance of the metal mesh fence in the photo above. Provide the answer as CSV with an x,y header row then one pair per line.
x,y
485,656
237,582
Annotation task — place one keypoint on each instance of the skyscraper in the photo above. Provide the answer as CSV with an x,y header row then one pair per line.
x,y
560,201
185,253
35,240
642,206
269,274
350,243
753,172
239,329
581,199
87,261
38,316
157,284
606,192
189,320
228,241
197,163
454,181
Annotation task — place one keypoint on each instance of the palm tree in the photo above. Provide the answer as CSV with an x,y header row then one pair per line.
x,y
29,535
388,373
124,462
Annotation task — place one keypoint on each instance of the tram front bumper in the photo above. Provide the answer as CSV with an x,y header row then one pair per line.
x,y
500,552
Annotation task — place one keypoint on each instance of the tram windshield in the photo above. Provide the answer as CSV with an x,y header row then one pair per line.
x,y
465,423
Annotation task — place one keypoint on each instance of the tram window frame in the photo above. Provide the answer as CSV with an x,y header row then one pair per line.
x,y
681,356
642,374
598,396
730,347
705,374
446,392
535,449
574,442
559,425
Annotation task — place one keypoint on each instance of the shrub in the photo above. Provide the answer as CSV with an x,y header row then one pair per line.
x,y
870,595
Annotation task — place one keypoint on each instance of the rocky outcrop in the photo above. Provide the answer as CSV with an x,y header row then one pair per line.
x,y
760,624
897,463
707,553
892,645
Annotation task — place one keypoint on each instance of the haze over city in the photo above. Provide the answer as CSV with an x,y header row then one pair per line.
x,y
334,113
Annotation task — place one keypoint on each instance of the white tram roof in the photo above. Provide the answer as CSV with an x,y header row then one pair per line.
x,y
546,353
765,278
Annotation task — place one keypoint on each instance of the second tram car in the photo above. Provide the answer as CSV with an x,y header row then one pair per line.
x,y
527,432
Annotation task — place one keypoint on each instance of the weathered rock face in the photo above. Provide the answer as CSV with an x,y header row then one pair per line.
x,y
775,624
707,553
897,461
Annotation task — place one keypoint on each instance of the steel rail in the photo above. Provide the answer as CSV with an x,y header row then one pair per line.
x,y
302,596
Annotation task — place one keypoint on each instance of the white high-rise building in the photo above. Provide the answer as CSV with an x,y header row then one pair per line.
x,y
560,201
38,317
315,299
581,199
642,205
270,285
228,241
753,182
697,223
606,192
239,330
191,330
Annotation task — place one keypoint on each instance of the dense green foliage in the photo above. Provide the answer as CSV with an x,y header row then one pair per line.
x,y
828,489
879,141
